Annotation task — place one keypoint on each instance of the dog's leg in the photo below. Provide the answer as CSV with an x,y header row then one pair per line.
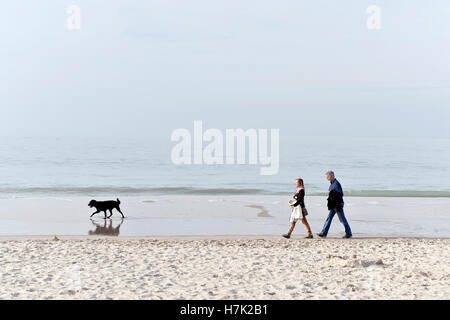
x,y
110,213
105,214
95,213
118,209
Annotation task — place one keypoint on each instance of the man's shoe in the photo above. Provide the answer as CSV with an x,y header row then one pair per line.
x,y
321,235
287,235
346,237
309,236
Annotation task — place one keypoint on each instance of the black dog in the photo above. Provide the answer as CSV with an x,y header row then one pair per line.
x,y
106,205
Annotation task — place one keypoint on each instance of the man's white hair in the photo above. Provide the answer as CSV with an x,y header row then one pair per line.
x,y
329,174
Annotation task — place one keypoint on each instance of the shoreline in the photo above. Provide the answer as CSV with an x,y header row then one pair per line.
x,y
228,216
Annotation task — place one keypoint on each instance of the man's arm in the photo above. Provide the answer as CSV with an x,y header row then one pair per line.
x,y
339,188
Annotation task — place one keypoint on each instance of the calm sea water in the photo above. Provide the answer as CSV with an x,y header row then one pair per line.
x,y
55,166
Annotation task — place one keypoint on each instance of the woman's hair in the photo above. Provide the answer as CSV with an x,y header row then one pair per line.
x,y
300,180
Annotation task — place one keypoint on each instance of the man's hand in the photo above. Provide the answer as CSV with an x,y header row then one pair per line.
x,y
292,207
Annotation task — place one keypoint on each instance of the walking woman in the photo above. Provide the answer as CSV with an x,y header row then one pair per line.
x,y
299,211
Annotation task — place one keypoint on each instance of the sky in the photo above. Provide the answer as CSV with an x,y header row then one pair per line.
x,y
148,67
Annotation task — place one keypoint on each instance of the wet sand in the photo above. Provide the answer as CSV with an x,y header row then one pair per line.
x,y
222,215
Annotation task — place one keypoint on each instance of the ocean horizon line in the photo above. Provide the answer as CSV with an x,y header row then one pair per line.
x,y
161,191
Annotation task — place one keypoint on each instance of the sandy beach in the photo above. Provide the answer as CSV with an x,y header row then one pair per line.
x,y
239,267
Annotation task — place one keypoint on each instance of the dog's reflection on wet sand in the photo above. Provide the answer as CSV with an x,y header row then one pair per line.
x,y
104,229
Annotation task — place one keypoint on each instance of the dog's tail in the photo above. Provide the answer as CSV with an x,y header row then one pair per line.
x,y
118,201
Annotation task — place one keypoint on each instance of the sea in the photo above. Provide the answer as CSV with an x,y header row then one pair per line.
x,y
93,166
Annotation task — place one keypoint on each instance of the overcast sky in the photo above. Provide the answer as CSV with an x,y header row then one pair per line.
x,y
149,67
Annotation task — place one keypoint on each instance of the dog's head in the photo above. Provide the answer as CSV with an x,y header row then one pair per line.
x,y
92,203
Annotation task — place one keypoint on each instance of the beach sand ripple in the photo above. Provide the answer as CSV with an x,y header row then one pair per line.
x,y
212,268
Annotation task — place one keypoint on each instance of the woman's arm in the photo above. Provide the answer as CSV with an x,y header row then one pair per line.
x,y
300,199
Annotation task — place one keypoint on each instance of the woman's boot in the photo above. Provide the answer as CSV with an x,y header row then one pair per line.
x,y
308,228
288,235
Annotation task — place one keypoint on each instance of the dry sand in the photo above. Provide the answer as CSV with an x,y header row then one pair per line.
x,y
224,268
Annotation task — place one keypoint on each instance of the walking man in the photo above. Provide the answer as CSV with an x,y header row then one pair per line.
x,y
335,205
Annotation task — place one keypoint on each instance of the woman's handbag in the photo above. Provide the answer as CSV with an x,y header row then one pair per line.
x,y
304,212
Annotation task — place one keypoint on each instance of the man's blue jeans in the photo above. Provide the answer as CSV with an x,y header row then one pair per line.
x,y
342,219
